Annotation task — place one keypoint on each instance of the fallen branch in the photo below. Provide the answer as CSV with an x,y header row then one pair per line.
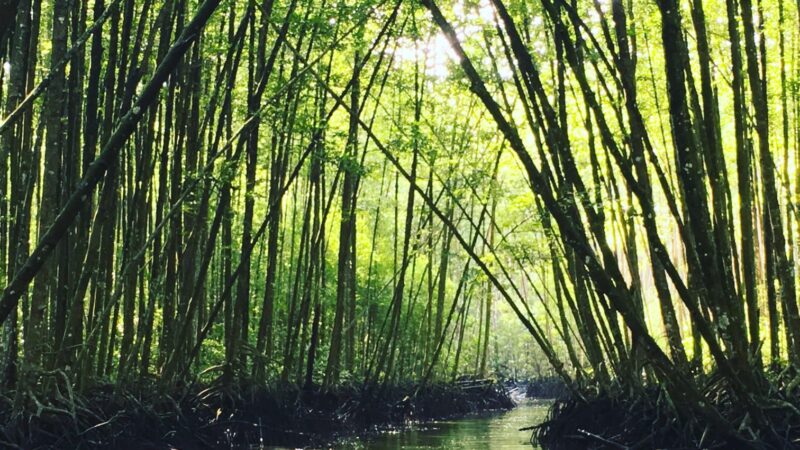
x,y
602,440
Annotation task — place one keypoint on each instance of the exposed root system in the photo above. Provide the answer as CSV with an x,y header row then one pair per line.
x,y
547,387
221,418
647,420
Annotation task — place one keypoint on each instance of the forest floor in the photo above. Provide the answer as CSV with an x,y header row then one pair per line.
x,y
216,417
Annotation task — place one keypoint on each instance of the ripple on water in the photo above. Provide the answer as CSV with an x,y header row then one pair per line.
x,y
481,431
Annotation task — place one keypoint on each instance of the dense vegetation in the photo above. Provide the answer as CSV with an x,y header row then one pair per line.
x,y
377,192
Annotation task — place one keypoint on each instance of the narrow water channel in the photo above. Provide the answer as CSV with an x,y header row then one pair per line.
x,y
493,430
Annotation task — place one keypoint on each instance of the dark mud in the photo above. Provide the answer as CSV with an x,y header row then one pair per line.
x,y
649,420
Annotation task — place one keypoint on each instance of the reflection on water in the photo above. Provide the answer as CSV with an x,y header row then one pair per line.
x,y
485,431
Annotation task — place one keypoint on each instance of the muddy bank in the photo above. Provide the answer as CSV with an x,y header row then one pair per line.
x,y
214,417
648,419
546,387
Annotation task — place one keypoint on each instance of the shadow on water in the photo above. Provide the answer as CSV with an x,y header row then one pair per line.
x,y
492,430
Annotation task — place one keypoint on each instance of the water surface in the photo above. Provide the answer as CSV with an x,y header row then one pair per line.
x,y
494,430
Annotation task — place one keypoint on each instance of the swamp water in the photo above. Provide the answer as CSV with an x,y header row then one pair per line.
x,y
491,430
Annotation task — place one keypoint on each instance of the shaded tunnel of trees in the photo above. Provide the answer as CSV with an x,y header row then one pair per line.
x,y
321,192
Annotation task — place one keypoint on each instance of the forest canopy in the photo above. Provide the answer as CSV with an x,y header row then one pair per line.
x,y
321,192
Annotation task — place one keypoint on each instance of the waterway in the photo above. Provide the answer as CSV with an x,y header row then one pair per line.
x,y
490,430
